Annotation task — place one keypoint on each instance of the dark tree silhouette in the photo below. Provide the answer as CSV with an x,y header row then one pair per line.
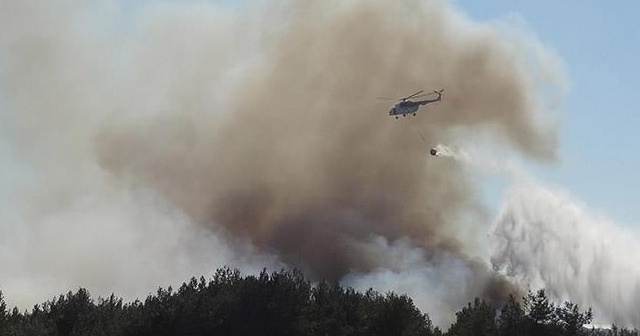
x,y
3,315
284,303
511,320
540,314
478,319
572,320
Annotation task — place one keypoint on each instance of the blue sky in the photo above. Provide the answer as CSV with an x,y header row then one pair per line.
x,y
599,44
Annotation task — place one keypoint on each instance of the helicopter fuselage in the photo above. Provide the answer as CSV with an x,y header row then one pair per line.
x,y
407,107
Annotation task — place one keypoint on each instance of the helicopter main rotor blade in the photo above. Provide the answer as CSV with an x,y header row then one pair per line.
x,y
423,95
428,94
411,96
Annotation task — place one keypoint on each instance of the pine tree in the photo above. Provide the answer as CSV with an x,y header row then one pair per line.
x,y
511,320
3,314
540,313
572,320
474,320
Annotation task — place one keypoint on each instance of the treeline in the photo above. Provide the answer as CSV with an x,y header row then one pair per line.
x,y
282,303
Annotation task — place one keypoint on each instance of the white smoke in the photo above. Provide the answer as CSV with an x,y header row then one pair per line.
x,y
126,242
482,161
546,239
437,283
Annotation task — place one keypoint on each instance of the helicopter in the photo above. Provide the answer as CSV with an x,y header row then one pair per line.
x,y
406,106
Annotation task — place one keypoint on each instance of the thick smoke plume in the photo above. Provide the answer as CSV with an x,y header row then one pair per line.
x,y
546,239
193,135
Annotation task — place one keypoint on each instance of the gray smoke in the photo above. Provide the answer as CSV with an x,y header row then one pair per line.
x,y
197,134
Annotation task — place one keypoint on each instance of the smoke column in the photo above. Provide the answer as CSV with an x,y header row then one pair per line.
x,y
544,238
166,138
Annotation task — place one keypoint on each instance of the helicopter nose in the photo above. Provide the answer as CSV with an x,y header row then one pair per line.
x,y
392,111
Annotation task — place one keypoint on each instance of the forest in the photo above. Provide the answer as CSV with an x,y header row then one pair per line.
x,y
285,303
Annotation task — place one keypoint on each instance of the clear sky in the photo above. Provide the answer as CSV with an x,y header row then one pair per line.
x,y
599,44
